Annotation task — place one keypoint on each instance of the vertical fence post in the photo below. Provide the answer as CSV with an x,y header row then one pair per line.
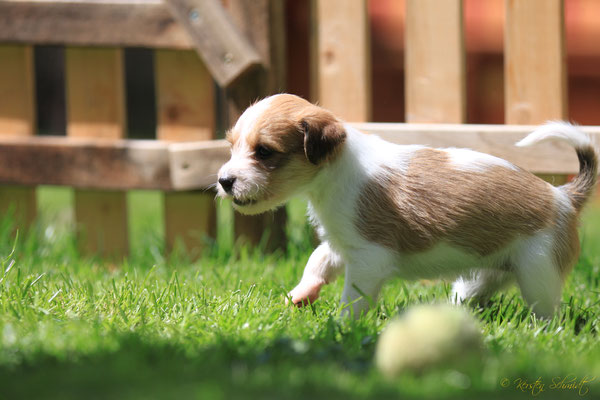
x,y
435,61
95,108
262,21
185,111
341,62
17,117
535,63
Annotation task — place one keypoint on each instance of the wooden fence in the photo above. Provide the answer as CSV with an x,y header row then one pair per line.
x,y
241,46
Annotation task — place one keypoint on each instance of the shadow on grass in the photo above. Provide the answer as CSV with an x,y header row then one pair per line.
x,y
286,369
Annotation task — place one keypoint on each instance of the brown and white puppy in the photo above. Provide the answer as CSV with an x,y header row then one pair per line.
x,y
385,210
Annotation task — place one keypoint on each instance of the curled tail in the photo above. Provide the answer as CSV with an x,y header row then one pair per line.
x,y
582,186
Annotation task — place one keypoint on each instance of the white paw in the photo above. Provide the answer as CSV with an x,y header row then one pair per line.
x,y
304,293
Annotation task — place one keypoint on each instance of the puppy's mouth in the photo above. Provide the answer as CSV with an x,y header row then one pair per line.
x,y
243,202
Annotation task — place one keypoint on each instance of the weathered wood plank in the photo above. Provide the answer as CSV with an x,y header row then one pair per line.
x,y
92,23
343,81
95,97
185,97
535,64
161,165
194,165
435,61
551,157
262,21
186,111
534,61
85,164
225,51
17,118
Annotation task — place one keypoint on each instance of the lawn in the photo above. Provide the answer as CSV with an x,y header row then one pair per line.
x,y
217,327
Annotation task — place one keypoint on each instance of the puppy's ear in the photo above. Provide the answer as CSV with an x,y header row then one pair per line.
x,y
323,135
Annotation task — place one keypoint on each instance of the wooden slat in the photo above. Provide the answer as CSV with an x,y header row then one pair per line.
x,y
553,157
262,21
91,23
158,165
17,118
342,58
224,50
91,164
435,61
195,165
95,108
535,63
185,109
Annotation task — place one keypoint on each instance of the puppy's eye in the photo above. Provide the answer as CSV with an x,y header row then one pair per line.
x,y
263,152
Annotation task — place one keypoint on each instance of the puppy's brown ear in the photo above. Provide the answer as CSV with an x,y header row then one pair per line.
x,y
323,135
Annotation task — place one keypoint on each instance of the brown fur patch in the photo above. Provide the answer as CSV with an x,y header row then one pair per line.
x,y
282,128
432,202
582,187
566,244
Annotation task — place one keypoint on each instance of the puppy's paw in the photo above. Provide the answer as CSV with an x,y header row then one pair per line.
x,y
303,294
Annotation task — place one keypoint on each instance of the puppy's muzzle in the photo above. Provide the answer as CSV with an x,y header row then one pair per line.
x,y
227,183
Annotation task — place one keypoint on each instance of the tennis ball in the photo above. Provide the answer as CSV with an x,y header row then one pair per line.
x,y
429,336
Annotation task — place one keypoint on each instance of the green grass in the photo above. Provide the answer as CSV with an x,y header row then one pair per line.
x,y
153,327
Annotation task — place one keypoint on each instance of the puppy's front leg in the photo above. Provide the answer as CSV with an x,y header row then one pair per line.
x,y
323,267
361,287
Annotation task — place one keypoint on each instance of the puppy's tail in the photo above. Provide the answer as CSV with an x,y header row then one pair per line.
x,y
582,186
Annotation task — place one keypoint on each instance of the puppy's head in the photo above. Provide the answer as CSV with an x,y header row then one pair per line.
x,y
277,147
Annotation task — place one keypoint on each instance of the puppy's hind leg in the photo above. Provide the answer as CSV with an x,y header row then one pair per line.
x,y
480,285
538,275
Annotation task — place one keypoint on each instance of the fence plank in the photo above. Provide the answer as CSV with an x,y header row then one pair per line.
x,y
262,21
17,117
185,109
535,64
534,61
225,51
342,70
143,164
435,61
95,108
91,23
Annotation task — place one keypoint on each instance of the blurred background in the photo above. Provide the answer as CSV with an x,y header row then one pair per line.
x,y
484,22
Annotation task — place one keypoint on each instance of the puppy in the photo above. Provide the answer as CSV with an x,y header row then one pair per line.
x,y
385,210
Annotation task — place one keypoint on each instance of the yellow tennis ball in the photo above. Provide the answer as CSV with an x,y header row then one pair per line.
x,y
429,336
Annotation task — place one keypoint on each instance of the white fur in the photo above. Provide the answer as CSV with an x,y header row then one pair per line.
x,y
557,130
248,180
368,264
333,200
245,123
469,160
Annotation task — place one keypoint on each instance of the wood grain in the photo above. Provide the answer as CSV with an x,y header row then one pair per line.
x,y
534,61
92,23
551,157
535,64
225,51
435,61
262,21
85,163
193,165
17,118
186,111
95,108
343,77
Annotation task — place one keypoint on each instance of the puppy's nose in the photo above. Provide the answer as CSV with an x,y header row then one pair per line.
x,y
227,183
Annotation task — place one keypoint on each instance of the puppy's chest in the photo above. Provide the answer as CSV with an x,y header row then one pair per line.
x,y
337,225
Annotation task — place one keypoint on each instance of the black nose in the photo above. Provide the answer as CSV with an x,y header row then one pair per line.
x,y
227,183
